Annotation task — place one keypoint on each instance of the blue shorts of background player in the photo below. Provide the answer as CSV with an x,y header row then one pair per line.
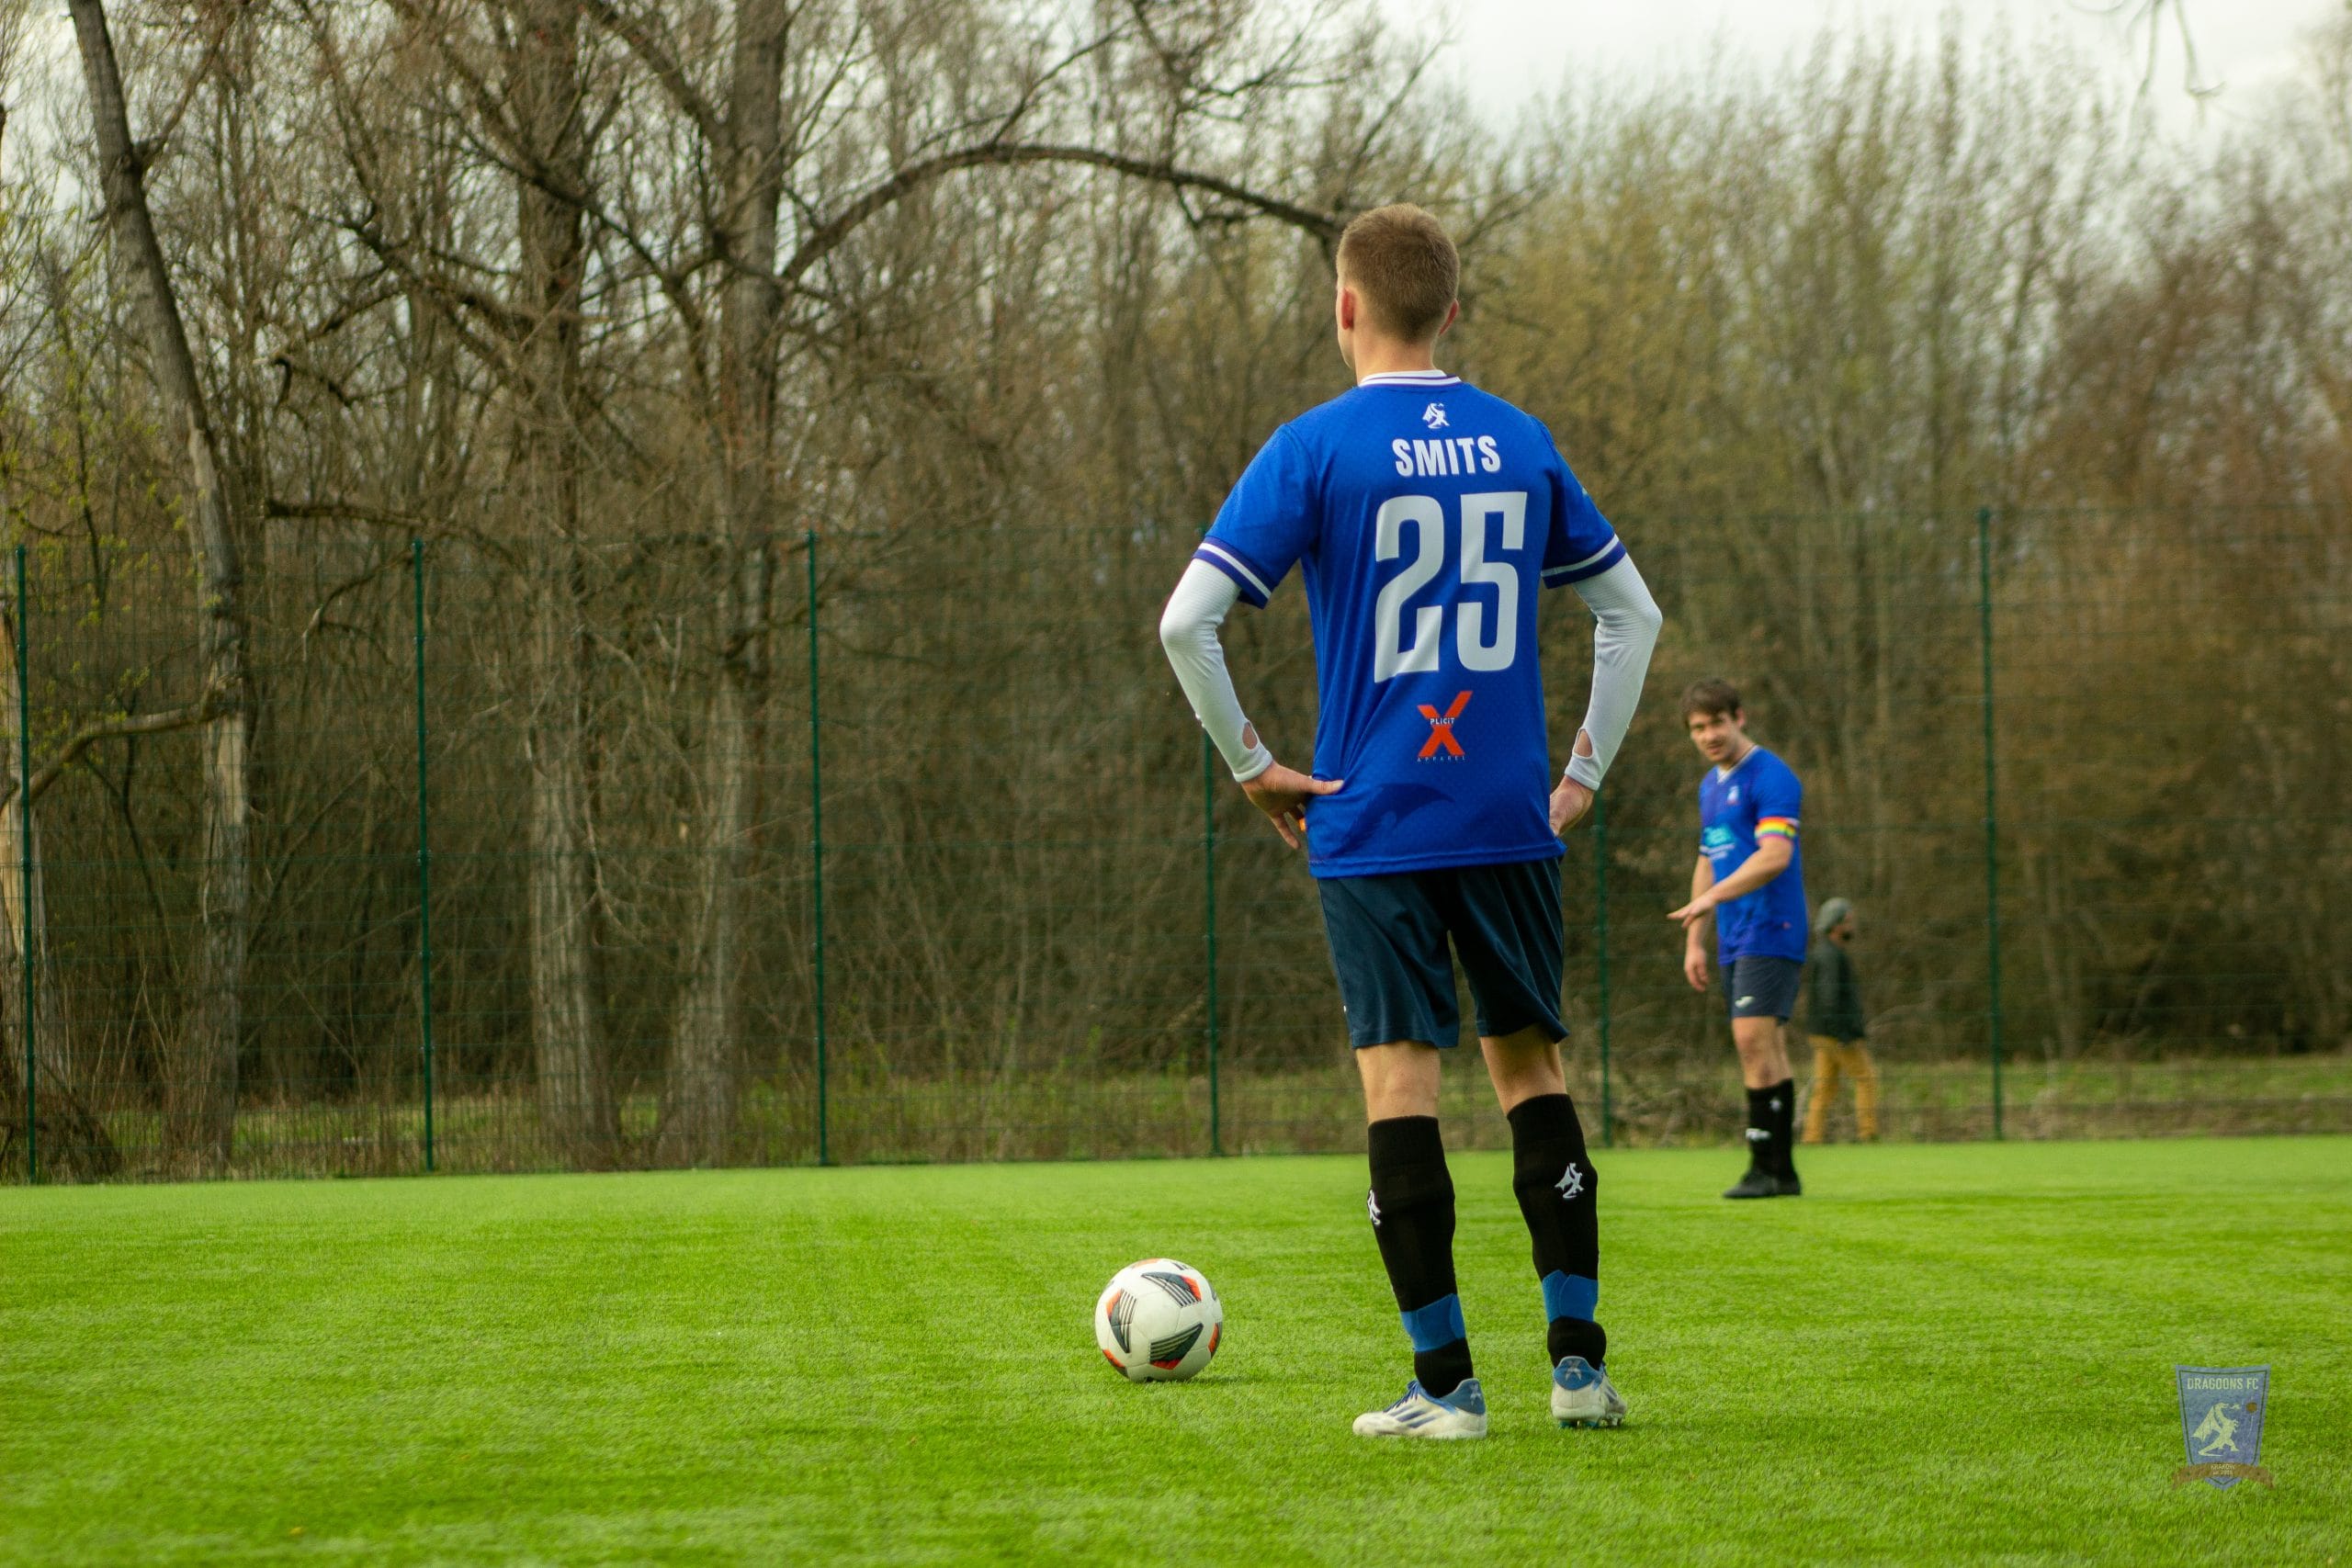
x,y
1760,985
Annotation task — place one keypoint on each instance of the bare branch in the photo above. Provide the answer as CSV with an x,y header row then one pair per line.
x,y
212,708
2150,15
383,517
633,31
444,294
828,235
157,143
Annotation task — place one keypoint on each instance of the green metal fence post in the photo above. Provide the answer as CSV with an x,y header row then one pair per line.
x,y
1208,889
1600,918
423,850
24,932
1992,817
817,850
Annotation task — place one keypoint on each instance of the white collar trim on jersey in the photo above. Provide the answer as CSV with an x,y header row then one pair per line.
x,y
1411,378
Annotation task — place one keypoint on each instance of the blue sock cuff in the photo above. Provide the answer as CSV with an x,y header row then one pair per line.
x,y
1570,1295
1436,1326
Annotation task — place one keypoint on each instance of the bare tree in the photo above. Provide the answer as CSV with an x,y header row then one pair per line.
x,y
202,1104
539,52
746,147
750,142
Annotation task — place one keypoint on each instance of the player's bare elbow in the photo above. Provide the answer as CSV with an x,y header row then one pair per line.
x,y
1775,853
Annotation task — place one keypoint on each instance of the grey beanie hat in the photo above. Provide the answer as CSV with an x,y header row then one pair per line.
x,y
1834,913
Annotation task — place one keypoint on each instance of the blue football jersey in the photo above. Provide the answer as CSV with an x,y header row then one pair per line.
x,y
1422,512
1758,798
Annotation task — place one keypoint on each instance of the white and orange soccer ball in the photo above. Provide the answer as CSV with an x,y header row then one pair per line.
x,y
1158,1321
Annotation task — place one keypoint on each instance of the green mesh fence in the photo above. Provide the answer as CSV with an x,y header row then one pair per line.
x,y
545,870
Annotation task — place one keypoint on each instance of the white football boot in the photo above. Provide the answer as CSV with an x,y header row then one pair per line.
x,y
1461,1414
1582,1395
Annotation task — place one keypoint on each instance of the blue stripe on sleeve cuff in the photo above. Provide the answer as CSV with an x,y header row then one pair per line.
x,y
1249,593
1592,565
1570,1295
1436,1326
1254,583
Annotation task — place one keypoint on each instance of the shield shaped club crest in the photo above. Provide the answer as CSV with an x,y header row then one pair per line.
x,y
2222,1412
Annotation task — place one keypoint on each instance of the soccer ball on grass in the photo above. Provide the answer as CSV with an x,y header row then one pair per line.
x,y
1158,1321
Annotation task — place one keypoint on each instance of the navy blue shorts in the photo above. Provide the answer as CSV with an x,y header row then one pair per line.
x,y
1761,986
1390,947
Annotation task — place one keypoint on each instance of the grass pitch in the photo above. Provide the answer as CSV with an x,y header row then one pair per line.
x,y
1940,1353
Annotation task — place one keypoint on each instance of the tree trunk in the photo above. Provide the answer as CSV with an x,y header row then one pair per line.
x,y
200,1102
701,1088
73,1142
576,1103
700,1094
576,1096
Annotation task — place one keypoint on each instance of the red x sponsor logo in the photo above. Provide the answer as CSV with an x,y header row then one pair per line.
x,y
1441,728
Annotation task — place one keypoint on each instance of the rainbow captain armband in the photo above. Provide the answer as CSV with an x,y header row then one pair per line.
x,y
1784,825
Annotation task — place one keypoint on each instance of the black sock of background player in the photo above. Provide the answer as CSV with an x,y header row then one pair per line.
x,y
1555,1182
1783,1097
1412,1219
1761,1118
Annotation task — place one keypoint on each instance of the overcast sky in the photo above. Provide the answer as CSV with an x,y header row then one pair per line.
x,y
1508,51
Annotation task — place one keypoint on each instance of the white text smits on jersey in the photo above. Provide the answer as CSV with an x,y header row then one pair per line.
x,y
1447,455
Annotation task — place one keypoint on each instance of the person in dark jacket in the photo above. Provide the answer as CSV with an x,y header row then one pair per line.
x,y
1833,1019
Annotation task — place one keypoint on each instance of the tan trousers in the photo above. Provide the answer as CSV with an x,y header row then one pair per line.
x,y
1831,1059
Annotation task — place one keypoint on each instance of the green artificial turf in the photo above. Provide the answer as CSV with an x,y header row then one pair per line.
x,y
1940,1353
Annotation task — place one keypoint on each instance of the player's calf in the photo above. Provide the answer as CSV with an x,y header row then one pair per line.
x,y
1411,1208
1557,1189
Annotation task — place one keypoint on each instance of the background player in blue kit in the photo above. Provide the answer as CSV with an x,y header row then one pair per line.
x,y
1749,885
1422,513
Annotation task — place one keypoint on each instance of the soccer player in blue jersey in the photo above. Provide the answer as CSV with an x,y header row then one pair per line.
x,y
1422,515
1749,885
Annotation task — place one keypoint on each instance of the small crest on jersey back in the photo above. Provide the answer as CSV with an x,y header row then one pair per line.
x,y
1434,416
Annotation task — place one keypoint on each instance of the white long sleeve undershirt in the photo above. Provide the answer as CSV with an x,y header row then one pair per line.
x,y
1188,631
1625,626
1625,631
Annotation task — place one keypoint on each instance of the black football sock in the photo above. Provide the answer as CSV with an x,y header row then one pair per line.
x,y
1761,1155
1556,1184
1781,1097
1412,1219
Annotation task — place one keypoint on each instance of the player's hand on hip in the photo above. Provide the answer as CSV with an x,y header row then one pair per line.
x,y
1571,803
1283,793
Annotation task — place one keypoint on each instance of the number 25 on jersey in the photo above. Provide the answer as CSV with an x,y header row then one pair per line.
x,y
1478,645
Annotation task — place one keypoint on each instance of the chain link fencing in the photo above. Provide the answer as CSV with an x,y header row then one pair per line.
x,y
548,868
